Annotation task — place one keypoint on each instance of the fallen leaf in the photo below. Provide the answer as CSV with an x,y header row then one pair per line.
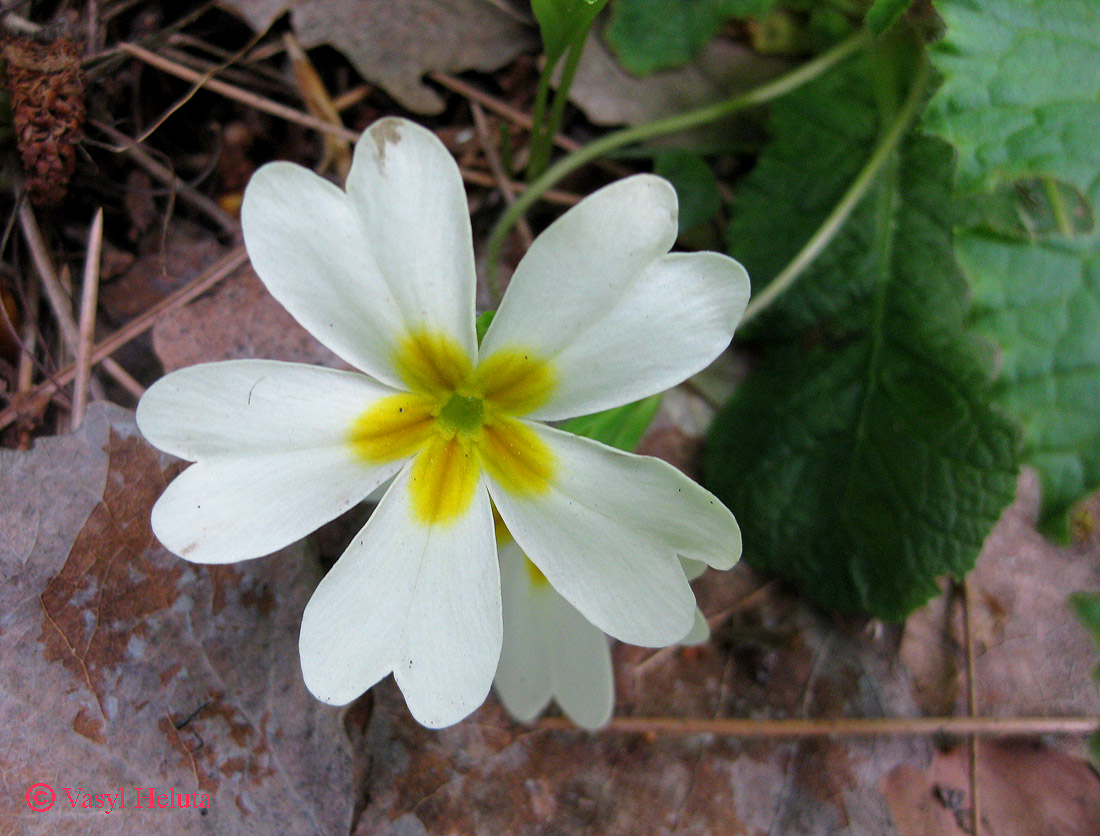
x,y
1025,790
187,250
128,667
239,319
395,44
1032,656
609,95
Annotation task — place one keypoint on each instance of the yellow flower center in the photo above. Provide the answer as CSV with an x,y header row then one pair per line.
x,y
457,419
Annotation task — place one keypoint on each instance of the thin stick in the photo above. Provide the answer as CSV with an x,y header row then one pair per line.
x,y
318,101
352,97
59,302
500,108
89,297
25,374
971,707
515,116
484,135
165,175
237,94
844,727
225,266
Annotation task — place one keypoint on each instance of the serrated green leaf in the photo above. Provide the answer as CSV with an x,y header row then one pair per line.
x,y
621,427
695,184
862,460
1021,83
785,199
651,35
1087,606
883,13
1021,103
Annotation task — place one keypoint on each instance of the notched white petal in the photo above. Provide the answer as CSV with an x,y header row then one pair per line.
x,y
550,651
421,601
607,535
522,680
412,210
306,244
600,298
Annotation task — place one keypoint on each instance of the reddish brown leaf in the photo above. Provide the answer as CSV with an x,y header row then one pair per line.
x,y
128,667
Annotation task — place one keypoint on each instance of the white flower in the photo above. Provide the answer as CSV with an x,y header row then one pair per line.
x,y
552,652
597,315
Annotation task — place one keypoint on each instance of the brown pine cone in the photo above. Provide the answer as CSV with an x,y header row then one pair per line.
x,y
46,86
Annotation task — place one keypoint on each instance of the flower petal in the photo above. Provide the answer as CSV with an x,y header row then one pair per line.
x,y
240,407
225,510
412,205
522,679
580,664
693,568
550,651
607,531
306,242
598,298
422,601
699,632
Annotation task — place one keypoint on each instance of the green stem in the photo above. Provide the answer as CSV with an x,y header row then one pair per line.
x,y
540,152
855,193
538,114
671,124
1058,207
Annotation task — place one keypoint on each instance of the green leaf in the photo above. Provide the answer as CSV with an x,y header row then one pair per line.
x,y
1021,83
651,35
862,459
482,324
823,138
883,13
1021,104
695,184
1088,610
561,20
621,427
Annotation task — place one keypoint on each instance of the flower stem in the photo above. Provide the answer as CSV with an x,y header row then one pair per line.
x,y
540,150
832,224
671,124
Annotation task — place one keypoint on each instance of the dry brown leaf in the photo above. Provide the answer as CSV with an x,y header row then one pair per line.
x,y
238,320
128,667
186,251
1032,656
1025,790
609,95
395,44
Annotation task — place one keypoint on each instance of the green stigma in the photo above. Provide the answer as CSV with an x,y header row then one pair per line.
x,y
462,414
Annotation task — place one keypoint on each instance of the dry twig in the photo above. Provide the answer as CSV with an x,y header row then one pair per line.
x,y
59,302
484,136
845,727
222,268
187,193
237,94
89,295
